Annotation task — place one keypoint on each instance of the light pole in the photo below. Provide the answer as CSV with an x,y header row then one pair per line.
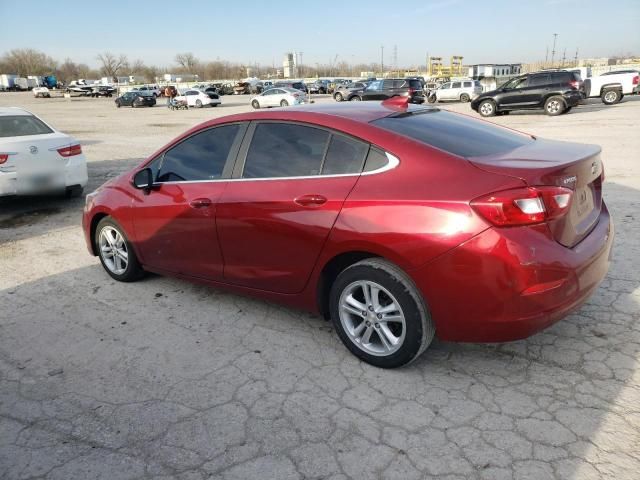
x,y
553,51
382,60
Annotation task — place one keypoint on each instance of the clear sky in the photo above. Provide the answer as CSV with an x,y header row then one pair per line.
x,y
250,31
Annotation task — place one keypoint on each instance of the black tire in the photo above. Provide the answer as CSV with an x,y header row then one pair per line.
x,y
133,271
611,96
73,191
419,329
464,98
487,108
554,106
284,103
432,99
355,98
338,97
255,104
199,103
118,104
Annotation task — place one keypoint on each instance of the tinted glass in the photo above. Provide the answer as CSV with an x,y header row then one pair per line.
x,y
375,159
345,155
536,80
200,157
417,84
387,84
377,85
399,84
453,133
455,85
468,84
285,150
21,125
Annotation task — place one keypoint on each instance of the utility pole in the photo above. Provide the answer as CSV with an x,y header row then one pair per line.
x,y
395,58
301,64
575,59
564,56
553,52
382,60
546,57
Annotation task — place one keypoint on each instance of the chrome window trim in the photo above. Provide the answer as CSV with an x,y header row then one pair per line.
x,y
391,164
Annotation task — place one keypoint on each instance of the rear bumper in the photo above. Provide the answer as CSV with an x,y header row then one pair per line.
x,y
573,99
507,284
74,173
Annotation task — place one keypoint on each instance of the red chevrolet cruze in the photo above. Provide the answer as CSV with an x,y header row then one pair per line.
x,y
398,222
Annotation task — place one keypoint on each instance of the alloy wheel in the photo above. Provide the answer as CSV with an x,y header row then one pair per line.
x,y
486,108
553,106
372,318
610,96
113,250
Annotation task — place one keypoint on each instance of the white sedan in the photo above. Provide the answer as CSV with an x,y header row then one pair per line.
x,y
278,97
35,158
196,98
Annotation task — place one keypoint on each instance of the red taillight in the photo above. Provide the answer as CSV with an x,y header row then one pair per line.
x,y
71,150
524,206
3,157
636,80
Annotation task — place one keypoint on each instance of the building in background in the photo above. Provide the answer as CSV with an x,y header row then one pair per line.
x,y
492,75
289,65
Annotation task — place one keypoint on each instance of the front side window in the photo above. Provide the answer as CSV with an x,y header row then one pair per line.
x,y
199,157
446,86
285,150
377,85
22,125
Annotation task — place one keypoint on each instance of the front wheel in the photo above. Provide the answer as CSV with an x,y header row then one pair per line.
x,y
284,103
115,252
554,106
355,98
432,99
338,97
118,104
487,108
379,314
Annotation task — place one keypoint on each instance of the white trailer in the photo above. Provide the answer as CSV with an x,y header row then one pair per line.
x,y
7,81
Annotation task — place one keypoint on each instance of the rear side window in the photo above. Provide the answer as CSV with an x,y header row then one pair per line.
x,y
468,84
376,159
537,80
453,133
285,150
22,125
200,157
455,85
345,155
416,84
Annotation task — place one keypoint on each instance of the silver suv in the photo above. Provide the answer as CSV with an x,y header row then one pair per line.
x,y
462,90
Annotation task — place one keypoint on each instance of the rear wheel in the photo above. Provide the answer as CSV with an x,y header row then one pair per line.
x,y
487,108
464,98
379,314
199,103
115,252
432,99
611,97
554,106
338,97
255,104
284,103
355,98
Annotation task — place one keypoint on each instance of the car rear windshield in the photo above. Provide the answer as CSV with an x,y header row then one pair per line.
x,y
22,125
454,133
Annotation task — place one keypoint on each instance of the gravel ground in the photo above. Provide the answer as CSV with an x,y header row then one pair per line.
x,y
165,379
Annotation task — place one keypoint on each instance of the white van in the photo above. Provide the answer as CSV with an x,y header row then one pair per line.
x,y
459,90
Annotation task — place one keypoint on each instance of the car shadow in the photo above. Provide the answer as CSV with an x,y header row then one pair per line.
x,y
554,403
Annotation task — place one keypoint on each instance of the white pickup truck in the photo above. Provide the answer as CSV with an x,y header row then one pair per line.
x,y
612,87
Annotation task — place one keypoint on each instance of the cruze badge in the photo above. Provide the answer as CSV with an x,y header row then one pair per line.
x,y
594,168
569,180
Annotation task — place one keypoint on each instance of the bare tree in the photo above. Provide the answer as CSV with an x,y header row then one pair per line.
x,y
112,65
187,61
27,61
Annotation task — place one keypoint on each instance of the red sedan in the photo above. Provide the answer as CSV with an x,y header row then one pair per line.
x,y
397,222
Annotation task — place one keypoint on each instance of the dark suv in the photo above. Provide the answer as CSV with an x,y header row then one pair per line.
x,y
554,91
390,87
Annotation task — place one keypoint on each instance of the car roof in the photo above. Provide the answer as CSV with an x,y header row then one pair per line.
x,y
13,111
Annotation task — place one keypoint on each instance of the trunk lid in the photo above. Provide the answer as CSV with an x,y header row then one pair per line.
x,y
564,164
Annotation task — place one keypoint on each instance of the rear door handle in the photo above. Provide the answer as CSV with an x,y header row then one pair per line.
x,y
312,200
200,203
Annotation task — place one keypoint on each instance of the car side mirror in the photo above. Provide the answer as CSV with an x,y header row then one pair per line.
x,y
143,180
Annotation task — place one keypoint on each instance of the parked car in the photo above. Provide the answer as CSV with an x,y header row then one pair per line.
x,y
102,91
555,92
388,88
278,97
35,158
42,92
462,91
199,99
616,72
242,88
319,86
292,84
154,89
335,82
136,99
342,91
612,88
488,239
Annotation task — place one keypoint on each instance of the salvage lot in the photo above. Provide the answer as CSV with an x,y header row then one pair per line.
x,y
163,379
